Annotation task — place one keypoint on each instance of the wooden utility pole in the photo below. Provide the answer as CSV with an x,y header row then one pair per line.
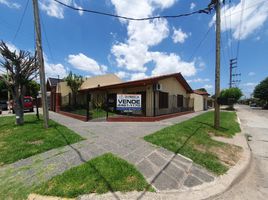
x,y
40,62
218,62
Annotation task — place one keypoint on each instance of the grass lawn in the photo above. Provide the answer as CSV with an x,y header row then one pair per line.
x,y
18,142
192,139
102,174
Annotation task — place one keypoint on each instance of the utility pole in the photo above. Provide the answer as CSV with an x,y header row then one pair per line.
x,y
218,61
40,62
233,76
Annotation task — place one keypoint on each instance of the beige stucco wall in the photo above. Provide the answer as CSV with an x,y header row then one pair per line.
x,y
64,89
174,88
198,102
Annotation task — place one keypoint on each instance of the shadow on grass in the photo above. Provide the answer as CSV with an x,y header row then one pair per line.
x,y
211,126
168,163
93,167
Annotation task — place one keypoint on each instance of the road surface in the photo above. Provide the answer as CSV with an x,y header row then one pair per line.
x,y
255,183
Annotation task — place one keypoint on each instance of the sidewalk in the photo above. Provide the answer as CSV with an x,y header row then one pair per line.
x,y
163,169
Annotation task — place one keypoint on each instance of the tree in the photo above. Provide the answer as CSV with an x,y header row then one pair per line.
x,y
202,89
32,88
3,90
230,96
21,67
74,82
261,90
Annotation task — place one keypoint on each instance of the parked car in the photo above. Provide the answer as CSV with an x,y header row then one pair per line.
x,y
27,104
253,105
3,105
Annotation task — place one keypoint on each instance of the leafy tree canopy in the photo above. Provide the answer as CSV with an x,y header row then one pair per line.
x,y
202,89
261,90
230,96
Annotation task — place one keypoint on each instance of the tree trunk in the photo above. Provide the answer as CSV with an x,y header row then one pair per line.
x,y
19,109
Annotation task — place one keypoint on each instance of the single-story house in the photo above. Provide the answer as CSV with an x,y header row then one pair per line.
x,y
160,95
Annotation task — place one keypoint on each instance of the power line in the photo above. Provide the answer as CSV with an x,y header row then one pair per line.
x,y
230,33
240,26
46,38
206,10
227,32
201,42
21,20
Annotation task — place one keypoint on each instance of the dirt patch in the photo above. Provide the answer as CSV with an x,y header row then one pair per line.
x,y
131,179
228,154
36,142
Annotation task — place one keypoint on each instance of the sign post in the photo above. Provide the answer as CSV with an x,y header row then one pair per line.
x,y
128,102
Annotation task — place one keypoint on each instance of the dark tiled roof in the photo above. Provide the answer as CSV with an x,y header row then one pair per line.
x,y
54,81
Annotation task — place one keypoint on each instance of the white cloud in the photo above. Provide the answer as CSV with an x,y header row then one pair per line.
x,y
198,80
251,73
122,74
137,76
10,4
132,57
148,32
134,53
54,70
208,86
179,36
54,9
249,84
80,12
192,6
12,47
254,16
85,63
171,63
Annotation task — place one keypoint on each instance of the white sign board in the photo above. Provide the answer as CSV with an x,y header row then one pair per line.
x,y
128,102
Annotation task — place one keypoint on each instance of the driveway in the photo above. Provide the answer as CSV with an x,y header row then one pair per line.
x,y
163,169
255,183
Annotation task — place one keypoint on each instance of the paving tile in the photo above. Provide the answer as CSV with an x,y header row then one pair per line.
x,y
146,168
134,158
165,152
192,181
201,174
175,172
157,159
164,182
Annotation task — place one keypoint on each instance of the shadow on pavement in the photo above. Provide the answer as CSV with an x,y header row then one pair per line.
x,y
168,163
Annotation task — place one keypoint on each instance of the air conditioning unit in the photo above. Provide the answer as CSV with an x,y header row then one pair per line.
x,y
157,87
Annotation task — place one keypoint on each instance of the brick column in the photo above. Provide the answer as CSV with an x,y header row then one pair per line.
x,y
58,101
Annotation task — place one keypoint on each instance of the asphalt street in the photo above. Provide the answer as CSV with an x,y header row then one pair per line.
x,y
254,185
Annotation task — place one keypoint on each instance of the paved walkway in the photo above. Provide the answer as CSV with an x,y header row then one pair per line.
x,y
163,169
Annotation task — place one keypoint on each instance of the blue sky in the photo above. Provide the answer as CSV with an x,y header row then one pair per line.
x,y
90,45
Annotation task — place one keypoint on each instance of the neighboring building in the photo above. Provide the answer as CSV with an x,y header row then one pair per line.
x,y
200,100
51,92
